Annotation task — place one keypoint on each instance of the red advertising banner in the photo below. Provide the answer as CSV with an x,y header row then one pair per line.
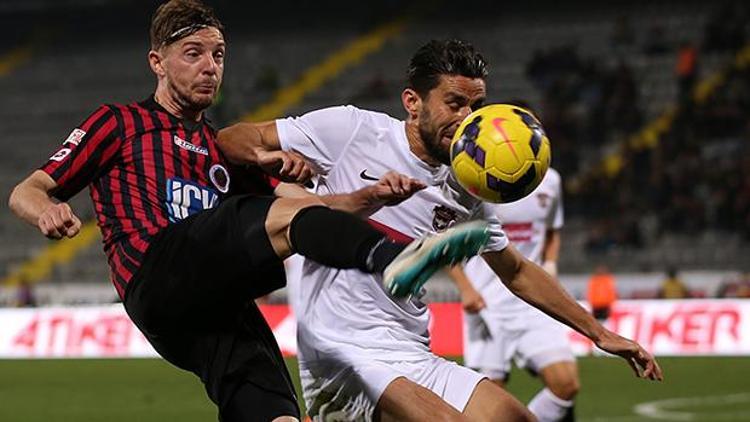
x,y
666,327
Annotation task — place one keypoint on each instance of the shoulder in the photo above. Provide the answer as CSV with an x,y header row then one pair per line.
x,y
552,180
370,117
553,176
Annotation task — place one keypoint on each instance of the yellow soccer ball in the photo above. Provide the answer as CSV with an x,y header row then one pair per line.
x,y
500,153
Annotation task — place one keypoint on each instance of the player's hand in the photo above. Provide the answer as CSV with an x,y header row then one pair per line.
x,y
643,364
58,221
286,166
392,189
472,301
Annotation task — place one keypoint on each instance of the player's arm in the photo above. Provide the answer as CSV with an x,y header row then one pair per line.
x,y
532,284
471,300
551,252
40,198
321,137
392,189
32,201
258,144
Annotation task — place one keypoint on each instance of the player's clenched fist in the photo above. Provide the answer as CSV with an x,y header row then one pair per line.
x,y
58,220
472,301
285,165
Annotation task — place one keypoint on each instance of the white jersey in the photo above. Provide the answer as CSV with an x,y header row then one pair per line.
x,y
344,313
526,222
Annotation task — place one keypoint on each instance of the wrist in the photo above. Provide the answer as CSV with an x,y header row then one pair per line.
x,y
599,334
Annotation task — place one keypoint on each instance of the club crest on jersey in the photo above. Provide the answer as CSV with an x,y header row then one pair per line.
x,y
185,198
190,147
219,177
443,217
543,199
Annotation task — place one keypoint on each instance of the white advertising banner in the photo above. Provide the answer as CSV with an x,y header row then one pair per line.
x,y
680,327
95,332
665,327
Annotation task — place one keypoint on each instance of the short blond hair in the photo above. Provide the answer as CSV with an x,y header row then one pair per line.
x,y
177,19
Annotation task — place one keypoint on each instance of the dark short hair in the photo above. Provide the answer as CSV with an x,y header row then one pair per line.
x,y
177,19
444,57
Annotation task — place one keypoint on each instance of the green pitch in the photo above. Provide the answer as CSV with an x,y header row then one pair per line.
x,y
700,389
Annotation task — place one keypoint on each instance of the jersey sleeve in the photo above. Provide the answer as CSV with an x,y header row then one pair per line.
x,y
321,136
85,154
498,239
555,219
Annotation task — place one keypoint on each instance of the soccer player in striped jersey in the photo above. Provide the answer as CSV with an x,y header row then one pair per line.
x,y
188,248
363,354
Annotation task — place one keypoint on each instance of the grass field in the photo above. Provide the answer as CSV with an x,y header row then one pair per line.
x,y
698,389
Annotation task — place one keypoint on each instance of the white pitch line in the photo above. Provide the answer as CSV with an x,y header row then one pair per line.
x,y
659,409
626,418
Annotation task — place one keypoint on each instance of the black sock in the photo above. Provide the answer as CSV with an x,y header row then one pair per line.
x,y
341,240
570,416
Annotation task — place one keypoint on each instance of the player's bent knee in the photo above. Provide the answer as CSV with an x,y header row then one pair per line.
x,y
562,379
489,402
565,388
280,217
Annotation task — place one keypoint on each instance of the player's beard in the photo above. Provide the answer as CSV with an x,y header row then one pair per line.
x,y
431,138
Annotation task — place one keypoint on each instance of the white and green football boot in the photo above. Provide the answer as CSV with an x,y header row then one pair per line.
x,y
406,274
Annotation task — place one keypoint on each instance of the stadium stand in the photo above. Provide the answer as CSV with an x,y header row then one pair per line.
x,y
597,75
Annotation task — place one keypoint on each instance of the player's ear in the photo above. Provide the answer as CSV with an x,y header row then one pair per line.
x,y
412,102
156,61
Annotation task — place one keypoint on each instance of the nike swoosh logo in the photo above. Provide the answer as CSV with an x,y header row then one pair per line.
x,y
366,176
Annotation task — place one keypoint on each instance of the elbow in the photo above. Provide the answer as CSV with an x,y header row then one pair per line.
x,y
14,200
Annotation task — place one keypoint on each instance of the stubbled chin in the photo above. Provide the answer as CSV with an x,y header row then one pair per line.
x,y
203,101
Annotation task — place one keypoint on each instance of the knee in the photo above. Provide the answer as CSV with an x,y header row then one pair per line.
x,y
451,418
515,412
565,388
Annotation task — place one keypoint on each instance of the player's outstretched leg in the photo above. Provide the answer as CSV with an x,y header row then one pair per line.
x,y
419,261
341,240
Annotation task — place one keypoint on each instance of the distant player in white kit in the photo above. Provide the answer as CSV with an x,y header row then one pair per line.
x,y
499,327
364,354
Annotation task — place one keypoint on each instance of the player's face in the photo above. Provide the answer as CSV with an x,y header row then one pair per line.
x,y
194,67
443,110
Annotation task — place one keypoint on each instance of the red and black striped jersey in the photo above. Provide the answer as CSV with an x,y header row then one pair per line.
x,y
145,169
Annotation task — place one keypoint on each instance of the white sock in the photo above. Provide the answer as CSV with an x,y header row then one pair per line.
x,y
547,407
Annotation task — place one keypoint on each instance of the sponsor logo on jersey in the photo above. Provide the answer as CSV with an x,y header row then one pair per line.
x,y
219,177
74,139
519,232
366,176
190,147
60,155
185,198
443,217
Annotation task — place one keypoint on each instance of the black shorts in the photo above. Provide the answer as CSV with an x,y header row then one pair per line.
x,y
193,300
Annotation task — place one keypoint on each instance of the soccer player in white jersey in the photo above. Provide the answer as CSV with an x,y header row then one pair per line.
x,y
364,354
499,327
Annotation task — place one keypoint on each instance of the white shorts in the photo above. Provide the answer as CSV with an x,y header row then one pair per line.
x,y
532,340
339,392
